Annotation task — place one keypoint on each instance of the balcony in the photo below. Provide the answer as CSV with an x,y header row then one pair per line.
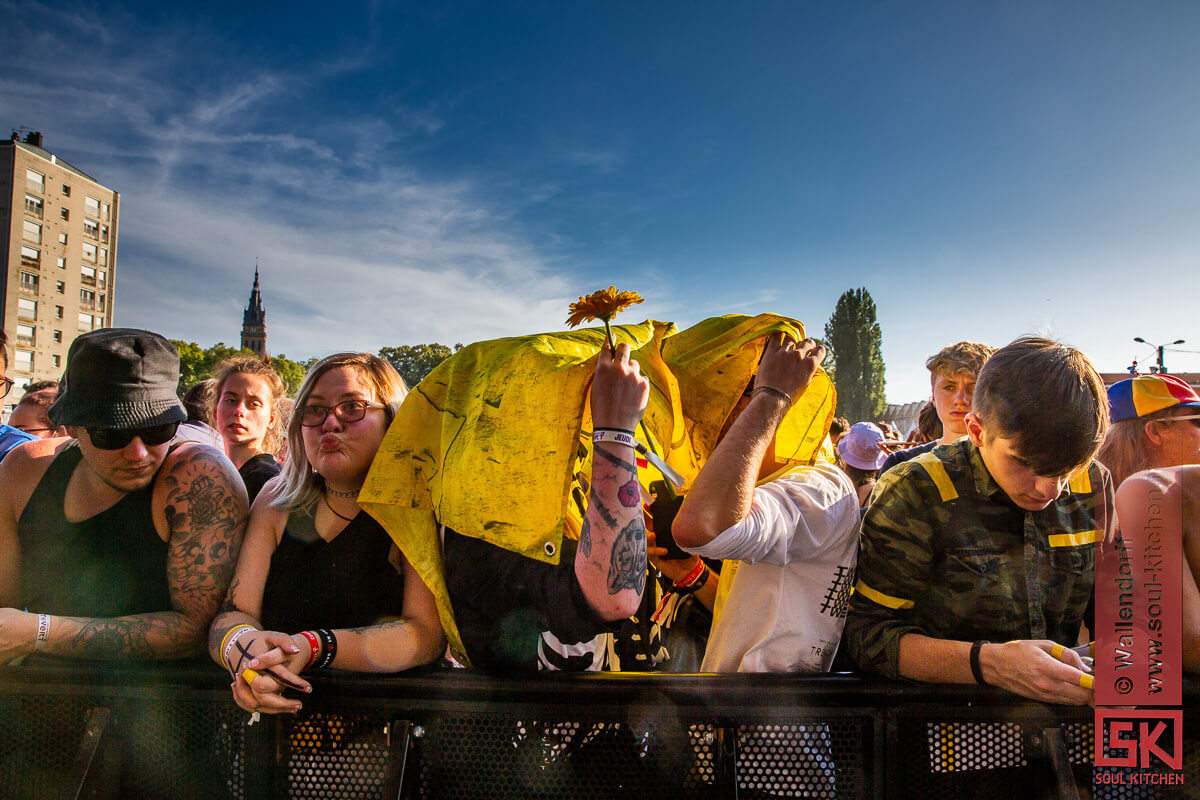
x,y
88,281
28,341
34,209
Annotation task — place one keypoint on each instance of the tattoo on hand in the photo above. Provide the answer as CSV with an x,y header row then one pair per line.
x,y
627,566
617,461
585,538
630,494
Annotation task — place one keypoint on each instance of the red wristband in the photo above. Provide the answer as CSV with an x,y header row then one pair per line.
x,y
693,575
314,646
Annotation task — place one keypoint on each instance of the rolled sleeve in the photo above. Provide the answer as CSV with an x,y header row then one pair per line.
x,y
894,563
796,516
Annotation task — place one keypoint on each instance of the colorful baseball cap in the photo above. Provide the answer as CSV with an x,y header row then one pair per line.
x,y
1145,394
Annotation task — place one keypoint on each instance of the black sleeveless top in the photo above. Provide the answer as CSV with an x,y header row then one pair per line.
x,y
257,471
109,565
345,583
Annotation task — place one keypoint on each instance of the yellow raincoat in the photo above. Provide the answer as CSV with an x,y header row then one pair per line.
x,y
496,441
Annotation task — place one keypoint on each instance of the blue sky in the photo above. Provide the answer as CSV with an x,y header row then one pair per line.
x,y
408,173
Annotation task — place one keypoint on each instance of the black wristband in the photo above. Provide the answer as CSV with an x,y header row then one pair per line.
x,y
976,669
695,585
328,647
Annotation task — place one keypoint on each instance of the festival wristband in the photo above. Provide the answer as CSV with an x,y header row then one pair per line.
x,y
602,435
686,582
329,647
780,393
615,430
314,647
231,637
43,631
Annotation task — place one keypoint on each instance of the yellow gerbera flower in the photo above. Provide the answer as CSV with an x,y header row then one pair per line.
x,y
602,305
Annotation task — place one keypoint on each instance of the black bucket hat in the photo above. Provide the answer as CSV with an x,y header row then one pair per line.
x,y
119,378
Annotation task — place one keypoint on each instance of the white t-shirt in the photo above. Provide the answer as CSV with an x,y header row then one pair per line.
x,y
790,565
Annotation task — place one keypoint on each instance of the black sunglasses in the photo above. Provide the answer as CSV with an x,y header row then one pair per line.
x,y
7,383
116,439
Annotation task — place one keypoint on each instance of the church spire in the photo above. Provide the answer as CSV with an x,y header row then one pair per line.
x,y
254,320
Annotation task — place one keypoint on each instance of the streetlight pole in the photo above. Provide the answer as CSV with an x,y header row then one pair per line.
x,y
1159,349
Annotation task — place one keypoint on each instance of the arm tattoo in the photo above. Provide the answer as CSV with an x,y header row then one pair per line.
x,y
595,502
630,493
617,461
627,567
585,538
206,523
382,626
128,637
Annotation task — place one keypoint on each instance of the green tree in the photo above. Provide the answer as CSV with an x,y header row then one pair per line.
x,y
415,361
856,359
196,363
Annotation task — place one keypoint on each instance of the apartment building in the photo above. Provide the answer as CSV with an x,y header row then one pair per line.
x,y
58,247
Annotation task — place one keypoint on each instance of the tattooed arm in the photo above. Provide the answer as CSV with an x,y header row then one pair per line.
x,y
723,491
610,562
200,501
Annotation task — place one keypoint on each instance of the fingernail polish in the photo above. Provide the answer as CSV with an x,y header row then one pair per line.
x,y
254,664
293,649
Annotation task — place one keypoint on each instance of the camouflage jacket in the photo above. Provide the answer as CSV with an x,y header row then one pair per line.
x,y
946,554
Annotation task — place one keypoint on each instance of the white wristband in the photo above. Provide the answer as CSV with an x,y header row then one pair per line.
x,y
43,631
232,641
616,437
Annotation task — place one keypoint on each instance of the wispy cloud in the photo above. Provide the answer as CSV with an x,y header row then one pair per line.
x,y
358,247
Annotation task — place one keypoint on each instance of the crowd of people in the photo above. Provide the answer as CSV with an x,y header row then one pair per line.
x,y
138,526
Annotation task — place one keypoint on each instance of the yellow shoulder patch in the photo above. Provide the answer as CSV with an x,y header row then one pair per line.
x,y
882,599
936,470
1073,539
1081,482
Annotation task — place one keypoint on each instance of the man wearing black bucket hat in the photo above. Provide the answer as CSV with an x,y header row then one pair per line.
x,y
119,544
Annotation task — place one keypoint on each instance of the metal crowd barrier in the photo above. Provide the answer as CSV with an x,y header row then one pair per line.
x,y
173,731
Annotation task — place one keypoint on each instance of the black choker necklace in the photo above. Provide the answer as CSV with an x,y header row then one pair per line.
x,y
336,493
335,511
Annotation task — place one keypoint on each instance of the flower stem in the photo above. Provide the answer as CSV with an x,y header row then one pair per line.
x,y
612,348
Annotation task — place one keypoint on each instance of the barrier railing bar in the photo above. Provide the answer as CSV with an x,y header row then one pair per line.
x,y
399,738
86,778
1054,744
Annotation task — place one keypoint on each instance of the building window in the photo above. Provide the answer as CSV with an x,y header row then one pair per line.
x,y
34,205
89,275
104,233
91,206
89,251
65,213
25,334
91,228
29,281
58,312
85,322
26,309
31,232
30,256
60,287
61,262
103,257
35,181
57,359
66,190
57,336
87,297
62,238
24,361
105,209
101,279
100,302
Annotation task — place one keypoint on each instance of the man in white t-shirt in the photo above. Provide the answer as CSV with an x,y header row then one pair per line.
x,y
789,544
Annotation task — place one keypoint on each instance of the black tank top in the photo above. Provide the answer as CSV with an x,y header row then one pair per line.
x,y
109,565
345,583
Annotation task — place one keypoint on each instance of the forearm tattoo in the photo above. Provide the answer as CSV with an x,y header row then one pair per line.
x,y
585,538
601,509
630,494
627,567
617,461
131,637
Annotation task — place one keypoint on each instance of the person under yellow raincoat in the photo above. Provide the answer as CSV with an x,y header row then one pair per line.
x,y
495,443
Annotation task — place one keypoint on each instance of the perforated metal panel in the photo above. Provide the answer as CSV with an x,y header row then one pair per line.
x,y
962,746
180,748
38,741
336,755
800,760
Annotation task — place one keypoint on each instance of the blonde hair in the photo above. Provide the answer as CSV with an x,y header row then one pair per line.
x,y
300,487
959,357
1126,449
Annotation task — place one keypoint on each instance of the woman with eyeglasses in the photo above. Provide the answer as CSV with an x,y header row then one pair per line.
x,y
319,583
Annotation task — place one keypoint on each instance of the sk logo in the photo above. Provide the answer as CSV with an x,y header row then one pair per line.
x,y
1145,739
